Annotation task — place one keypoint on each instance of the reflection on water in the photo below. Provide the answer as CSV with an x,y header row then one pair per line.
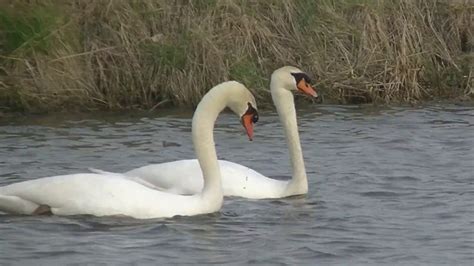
x,y
389,185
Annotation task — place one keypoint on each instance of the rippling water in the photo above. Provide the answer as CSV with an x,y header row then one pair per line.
x,y
390,185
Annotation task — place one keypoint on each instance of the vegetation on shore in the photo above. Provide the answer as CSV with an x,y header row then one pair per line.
x,y
86,55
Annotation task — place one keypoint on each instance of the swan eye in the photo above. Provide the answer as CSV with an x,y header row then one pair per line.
x,y
300,75
255,118
251,113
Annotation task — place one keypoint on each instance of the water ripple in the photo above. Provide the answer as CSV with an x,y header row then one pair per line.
x,y
386,186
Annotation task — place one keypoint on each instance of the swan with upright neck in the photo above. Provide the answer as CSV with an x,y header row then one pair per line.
x,y
111,195
239,180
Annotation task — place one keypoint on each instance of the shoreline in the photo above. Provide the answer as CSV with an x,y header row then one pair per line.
x,y
188,111
123,55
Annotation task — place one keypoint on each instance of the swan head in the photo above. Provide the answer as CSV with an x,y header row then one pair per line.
x,y
242,102
244,105
292,79
248,119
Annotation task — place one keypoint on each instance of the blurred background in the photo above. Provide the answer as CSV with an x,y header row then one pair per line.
x,y
111,55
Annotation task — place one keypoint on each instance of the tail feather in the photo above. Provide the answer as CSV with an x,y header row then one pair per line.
x,y
16,205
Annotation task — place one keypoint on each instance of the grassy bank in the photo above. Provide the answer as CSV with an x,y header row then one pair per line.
x,y
80,55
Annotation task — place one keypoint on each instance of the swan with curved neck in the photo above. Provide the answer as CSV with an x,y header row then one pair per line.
x,y
110,195
239,180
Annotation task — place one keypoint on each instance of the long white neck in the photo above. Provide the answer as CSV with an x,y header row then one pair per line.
x,y
285,105
203,140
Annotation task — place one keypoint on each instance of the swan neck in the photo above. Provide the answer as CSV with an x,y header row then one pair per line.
x,y
284,102
203,140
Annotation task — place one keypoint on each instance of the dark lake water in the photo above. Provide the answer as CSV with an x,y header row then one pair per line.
x,y
386,186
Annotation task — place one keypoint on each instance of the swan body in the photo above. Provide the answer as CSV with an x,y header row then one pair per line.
x,y
184,177
99,195
111,194
237,180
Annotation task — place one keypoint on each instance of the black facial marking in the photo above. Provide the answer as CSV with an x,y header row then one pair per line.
x,y
253,112
299,76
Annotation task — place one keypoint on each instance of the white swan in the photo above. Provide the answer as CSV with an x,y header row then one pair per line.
x,y
239,180
110,195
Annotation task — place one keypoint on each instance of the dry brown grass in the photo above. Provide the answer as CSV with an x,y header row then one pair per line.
x,y
149,54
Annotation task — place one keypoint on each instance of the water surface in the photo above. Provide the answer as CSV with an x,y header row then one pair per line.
x,y
386,186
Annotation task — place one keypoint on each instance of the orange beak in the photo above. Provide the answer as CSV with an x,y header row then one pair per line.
x,y
305,88
248,125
